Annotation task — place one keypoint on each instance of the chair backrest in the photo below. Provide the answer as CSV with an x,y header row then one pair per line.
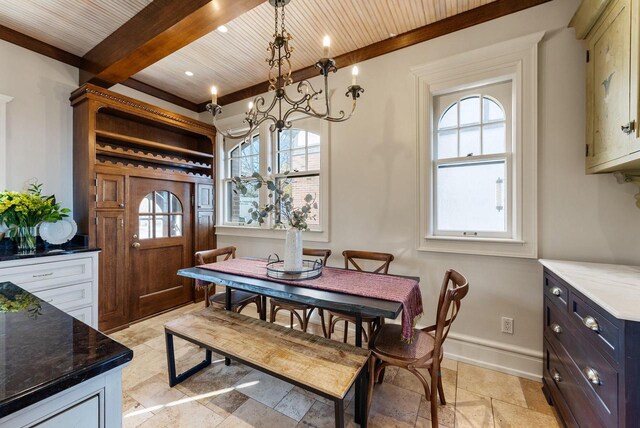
x,y
350,257
324,254
454,288
211,256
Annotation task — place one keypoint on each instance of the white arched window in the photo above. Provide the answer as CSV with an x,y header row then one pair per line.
x,y
160,215
472,162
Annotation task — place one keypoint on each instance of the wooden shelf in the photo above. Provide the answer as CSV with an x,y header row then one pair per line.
x,y
132,154
152,144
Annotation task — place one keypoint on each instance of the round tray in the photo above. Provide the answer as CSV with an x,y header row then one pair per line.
x,y
310,269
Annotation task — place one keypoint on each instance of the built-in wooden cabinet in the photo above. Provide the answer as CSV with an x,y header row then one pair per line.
x,y
611,31
144,192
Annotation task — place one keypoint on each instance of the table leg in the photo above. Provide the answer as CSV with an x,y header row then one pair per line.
x,y
364,396
227,306
263,308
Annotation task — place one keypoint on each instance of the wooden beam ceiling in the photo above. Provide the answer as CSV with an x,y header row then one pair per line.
x,y
160,29
454,23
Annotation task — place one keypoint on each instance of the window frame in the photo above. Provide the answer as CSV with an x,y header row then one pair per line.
x,y
268,153
515,60
506,156
4,100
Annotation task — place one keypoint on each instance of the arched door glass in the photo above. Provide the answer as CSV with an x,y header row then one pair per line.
x,y
160,215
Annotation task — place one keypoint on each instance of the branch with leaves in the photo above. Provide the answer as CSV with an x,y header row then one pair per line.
x,y
282,204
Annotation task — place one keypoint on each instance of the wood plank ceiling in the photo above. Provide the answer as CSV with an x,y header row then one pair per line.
x,y
234,61
351,24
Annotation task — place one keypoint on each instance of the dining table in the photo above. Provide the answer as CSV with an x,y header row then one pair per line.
x,y
357,306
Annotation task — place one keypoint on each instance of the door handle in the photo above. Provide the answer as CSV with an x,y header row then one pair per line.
x,y
135,245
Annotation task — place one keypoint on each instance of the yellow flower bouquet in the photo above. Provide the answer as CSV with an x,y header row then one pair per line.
x,y
22,212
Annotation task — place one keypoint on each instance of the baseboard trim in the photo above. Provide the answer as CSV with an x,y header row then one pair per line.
x,y
513,360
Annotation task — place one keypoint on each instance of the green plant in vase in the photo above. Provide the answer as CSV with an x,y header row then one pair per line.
x,y
286,215
22,212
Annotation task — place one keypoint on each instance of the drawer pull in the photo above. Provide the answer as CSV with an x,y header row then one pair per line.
x,y
556,376
556,328
592,375
43,275
591,323
556,291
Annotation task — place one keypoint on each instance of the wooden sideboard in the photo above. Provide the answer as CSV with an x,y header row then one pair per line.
x,y
591,370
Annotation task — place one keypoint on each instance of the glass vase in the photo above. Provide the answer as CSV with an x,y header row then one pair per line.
x,y
25,237
293,251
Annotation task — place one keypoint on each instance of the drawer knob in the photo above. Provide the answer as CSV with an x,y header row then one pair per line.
x,y
556,328
591,323
592,375
556,291
556,376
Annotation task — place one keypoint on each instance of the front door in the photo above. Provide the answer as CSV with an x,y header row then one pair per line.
x,y
159,229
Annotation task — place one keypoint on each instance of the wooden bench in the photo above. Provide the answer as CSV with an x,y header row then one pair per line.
x,y
322,366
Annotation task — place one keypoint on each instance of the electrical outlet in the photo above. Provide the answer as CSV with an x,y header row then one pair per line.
x,y
507,325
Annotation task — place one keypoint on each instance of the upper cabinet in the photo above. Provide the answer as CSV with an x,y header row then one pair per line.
x,y
610,28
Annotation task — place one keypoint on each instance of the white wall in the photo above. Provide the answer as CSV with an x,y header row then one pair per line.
x,y
374,175
40,119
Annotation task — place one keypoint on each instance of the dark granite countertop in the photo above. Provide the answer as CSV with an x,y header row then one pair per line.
x,y
44,351
76,245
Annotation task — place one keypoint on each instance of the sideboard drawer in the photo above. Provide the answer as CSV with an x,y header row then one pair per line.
x,y
560,373
42,276
596,327
69,297
557,292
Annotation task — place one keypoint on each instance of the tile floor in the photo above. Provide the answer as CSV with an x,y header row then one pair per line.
x,y
237,396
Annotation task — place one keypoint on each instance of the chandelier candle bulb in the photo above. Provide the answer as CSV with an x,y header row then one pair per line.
x,y
214,95
354,75
250,105
326,44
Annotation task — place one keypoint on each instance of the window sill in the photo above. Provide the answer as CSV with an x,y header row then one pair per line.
x,y
479,246
266,233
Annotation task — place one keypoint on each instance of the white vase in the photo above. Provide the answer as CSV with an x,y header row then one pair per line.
x,y
293,251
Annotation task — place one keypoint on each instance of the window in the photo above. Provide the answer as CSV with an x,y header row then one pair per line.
x,y
160,216
472,162
298,152
477,151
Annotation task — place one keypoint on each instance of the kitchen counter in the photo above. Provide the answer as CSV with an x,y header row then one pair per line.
x,y
7,250
616,288
45,351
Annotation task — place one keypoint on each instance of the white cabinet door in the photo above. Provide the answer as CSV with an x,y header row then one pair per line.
x,y
82,415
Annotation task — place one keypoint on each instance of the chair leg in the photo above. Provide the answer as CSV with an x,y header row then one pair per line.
x,y
206,296
290,319
423,381
372,378
272,312
346,331
330,326
324,327
441,391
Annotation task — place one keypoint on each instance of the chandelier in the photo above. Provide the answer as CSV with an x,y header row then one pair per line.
x,y
282,106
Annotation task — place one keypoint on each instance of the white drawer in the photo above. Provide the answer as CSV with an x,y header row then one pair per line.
x,y
83,314
42,276
69,297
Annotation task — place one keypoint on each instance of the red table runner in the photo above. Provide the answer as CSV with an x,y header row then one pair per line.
x,y
385,287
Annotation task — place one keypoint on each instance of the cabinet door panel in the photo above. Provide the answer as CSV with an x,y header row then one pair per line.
x,y
608,77
205,197
205,235
110,191
113,300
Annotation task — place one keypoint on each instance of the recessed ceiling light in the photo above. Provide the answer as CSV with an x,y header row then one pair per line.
x,y
189,73
392,34
223,29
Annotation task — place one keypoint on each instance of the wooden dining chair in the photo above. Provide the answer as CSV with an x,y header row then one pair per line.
x,y
425,351
239,298
352,258
293,307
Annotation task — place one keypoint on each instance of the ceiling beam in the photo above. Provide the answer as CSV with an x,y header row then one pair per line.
x,y
157,31
27,42
452,24
68,58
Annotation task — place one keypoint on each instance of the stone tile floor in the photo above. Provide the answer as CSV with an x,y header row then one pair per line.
x,y
237,396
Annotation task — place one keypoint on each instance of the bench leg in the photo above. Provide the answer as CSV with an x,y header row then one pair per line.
x,y
361,405
171,363
339,408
